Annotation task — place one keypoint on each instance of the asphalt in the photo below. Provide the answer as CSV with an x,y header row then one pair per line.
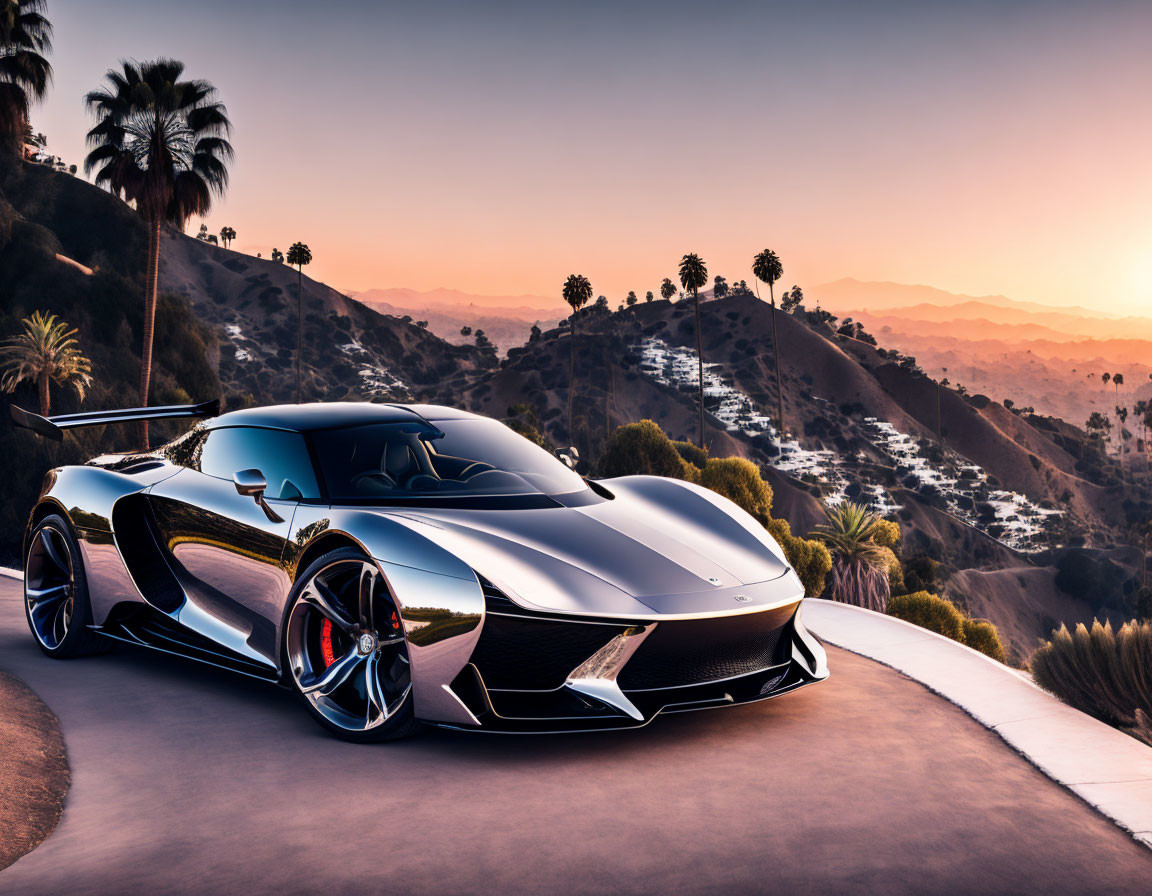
x,y
186,779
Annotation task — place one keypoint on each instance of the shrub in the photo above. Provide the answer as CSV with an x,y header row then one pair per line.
x,y
1104,673
694,454
810,559
637,449
740,482
980,634
929,611
887,534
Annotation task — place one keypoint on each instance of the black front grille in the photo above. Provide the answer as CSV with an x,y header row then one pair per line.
x,y
700,650
535,654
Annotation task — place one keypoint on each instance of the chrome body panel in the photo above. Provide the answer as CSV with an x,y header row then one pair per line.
x,y
605,577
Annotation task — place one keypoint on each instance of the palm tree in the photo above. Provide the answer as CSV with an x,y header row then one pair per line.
x,y
227,234
162,143
667,289
768,269
45,352
859,574
693,275
25,36
577,292
299,254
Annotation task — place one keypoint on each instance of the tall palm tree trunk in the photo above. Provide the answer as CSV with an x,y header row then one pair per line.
x,y
571,378
699,362
150,288
44,397
776,352
299,328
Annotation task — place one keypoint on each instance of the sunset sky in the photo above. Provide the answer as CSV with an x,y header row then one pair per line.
x,y
497,147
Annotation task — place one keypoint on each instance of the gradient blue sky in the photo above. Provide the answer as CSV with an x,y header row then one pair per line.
x,y
497,147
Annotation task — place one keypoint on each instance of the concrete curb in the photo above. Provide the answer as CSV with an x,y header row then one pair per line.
x,y
11,573
1106,768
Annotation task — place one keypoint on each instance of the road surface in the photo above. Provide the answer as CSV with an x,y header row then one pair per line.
x,y
186,779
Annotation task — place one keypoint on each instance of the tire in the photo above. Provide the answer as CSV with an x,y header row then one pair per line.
x,y
56,602
344,652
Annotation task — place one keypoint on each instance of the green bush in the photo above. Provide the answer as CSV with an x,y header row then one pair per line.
x,y
1102,672
887,535
980,634
740,482
929,611
938,615
642,449
811,559
694,454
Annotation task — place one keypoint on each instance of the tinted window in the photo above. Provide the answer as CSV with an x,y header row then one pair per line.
x,y
453,458
281,456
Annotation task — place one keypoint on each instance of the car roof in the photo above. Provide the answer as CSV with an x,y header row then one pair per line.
x,y
334,414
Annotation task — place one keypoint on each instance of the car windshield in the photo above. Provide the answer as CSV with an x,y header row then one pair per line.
x,y
451,458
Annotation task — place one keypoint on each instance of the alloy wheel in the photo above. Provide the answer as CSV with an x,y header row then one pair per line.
x,y
346,648
50,587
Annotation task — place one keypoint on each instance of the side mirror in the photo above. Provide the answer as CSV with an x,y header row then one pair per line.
x,y
252,484
569,456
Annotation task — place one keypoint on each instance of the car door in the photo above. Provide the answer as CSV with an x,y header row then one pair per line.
x,y
224,547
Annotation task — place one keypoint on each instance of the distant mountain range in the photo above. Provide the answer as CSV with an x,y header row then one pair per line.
x,y
1047,357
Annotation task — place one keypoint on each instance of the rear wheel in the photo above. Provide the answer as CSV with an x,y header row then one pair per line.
x,y
345,652
56,592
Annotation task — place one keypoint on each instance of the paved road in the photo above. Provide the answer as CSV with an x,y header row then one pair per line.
x,y
185,779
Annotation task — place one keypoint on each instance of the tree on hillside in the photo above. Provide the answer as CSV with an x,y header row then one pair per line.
x,y
648,297
693,275
792,299
630,299
203,234
667,289
577,292
162,143
227,234
299,255
719,287
768,269
465,331
45,352
859,566
1097,427
277,255
25,73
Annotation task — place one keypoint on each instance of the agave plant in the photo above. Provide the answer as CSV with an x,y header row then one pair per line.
x,y
1102,671
859,570
45,352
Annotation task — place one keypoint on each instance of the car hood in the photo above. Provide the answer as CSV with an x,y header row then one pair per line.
x,y
626,557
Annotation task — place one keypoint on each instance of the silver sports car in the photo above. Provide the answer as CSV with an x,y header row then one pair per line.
x,y
404,564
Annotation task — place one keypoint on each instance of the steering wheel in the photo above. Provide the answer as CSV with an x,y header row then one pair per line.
x,y
376,476
474,469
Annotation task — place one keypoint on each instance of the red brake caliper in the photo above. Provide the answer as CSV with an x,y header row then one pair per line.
x,y
326,643
395,622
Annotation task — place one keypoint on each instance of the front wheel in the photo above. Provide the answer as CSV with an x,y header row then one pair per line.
x,y
345,652
56,592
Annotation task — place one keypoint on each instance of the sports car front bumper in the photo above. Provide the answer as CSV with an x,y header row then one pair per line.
x,y
534,672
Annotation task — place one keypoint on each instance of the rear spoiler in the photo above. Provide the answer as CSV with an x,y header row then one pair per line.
x,y
53,427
